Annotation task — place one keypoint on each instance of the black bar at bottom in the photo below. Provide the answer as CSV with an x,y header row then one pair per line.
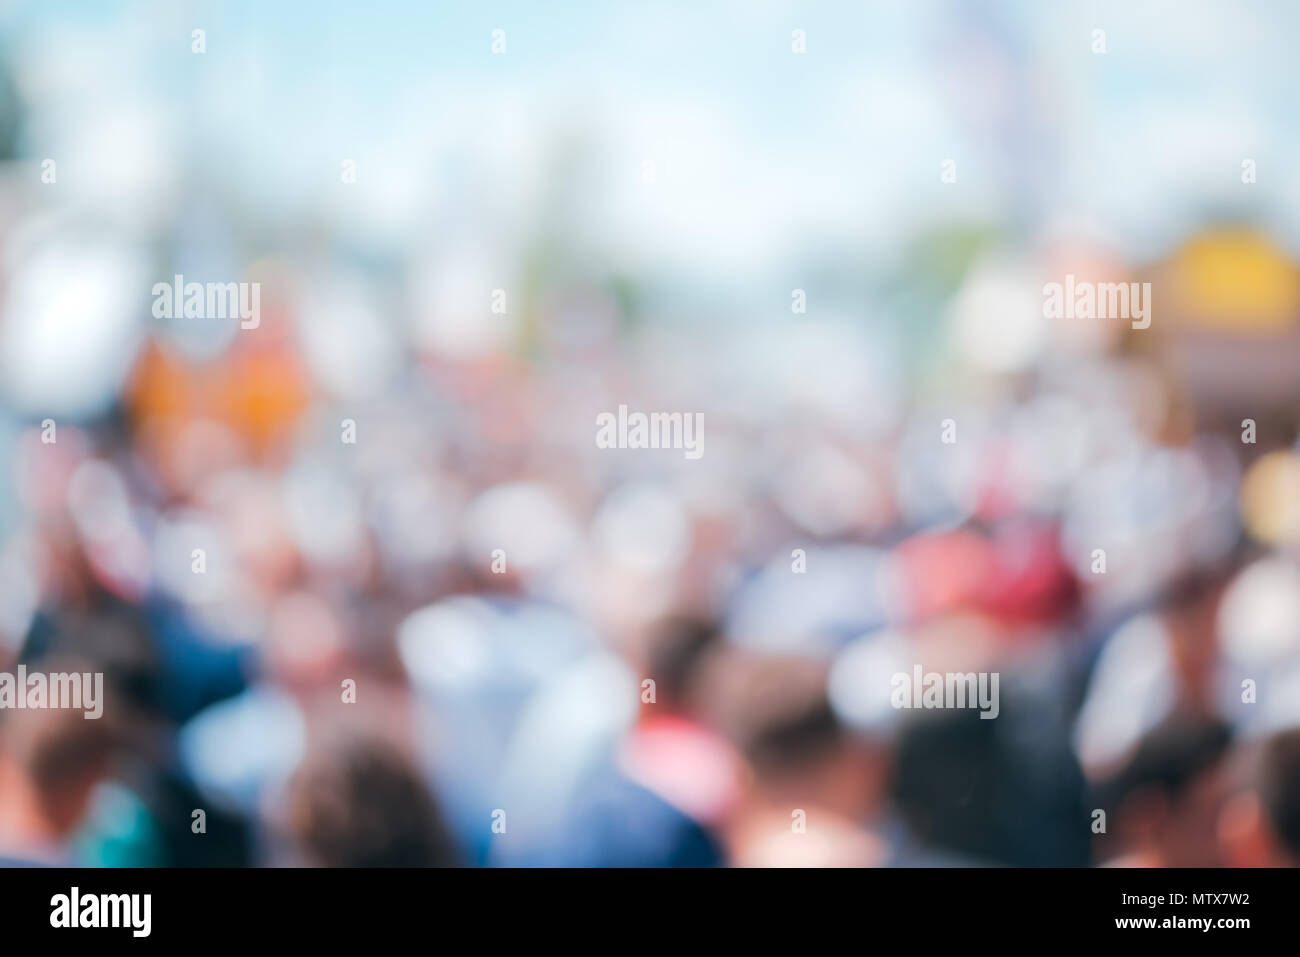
x,y
226,907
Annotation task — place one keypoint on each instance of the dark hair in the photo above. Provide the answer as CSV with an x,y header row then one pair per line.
x,y
775,709
675,653
358,802
1006,791
114,635
1171,756
1279,787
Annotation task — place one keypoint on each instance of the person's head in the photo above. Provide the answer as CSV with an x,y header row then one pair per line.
x,y
1260,826
356,801
110,636
1189,610
814,786
776,710
51,760
1165,802
676,652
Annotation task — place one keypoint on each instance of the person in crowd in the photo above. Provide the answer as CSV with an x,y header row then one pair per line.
x,y
1163,804
357,801
659,800
811,785
51,761
1260,826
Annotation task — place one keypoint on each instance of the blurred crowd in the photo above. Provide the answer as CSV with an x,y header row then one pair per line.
x,y
470,636
366,592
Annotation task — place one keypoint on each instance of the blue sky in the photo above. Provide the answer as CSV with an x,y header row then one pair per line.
x,y
759,155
